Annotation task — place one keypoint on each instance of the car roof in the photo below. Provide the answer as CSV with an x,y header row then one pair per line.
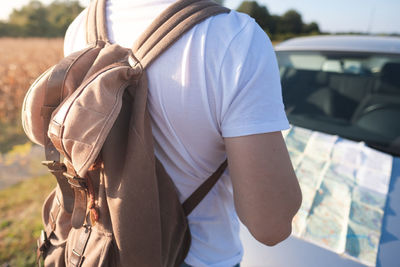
x,y
343,43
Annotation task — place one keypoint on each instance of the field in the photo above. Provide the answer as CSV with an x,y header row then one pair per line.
x,y
21,61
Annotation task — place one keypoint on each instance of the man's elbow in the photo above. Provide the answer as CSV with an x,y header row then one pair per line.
x,y
274,236
278,227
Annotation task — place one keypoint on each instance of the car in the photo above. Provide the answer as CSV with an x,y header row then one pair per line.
x,y
344,85
343,90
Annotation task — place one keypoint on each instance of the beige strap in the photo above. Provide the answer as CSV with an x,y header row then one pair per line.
x,y
54,214
79,186
91,31
171,25
160,20
79,211
96,27
57,169
76,256
51,101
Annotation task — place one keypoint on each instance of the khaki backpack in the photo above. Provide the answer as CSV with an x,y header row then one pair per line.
x,y
114,204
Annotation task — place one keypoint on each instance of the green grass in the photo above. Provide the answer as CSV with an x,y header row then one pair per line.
x,y
11,134
20,220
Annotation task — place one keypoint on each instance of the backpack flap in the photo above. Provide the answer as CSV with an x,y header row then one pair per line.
x,y
82,122
47,92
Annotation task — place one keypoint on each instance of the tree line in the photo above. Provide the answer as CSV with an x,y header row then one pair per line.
x,y
38,20
288,25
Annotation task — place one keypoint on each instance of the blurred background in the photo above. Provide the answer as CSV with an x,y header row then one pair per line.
x,y
31,40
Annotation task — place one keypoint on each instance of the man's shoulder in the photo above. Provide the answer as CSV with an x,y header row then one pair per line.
x,y
231,31
233,18
229,24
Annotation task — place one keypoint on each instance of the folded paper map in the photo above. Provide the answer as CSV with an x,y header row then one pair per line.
x,y
344,186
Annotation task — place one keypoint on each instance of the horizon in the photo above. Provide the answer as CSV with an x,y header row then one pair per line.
x,y
358,16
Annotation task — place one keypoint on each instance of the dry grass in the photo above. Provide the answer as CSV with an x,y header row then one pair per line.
x,y
21,62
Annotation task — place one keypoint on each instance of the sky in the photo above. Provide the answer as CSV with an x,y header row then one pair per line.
x,y
373,16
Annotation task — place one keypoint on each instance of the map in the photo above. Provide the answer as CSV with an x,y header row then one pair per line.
x,y
344,186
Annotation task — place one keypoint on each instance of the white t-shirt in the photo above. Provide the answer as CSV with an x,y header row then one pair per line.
x,y
220,79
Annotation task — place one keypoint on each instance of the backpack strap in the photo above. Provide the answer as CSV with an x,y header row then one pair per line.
x,y
96,22
198,195
170,25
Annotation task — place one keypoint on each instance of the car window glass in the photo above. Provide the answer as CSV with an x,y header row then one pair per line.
x,y
343,93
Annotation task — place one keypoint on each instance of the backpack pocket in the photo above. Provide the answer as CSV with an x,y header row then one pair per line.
x,y
57,225
90,246
80,125
54,85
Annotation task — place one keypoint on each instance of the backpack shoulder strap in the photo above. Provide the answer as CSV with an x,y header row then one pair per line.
x,y
197,196
170,25
96,24
177,19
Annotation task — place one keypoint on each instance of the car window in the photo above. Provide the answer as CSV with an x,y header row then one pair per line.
x,y
354,95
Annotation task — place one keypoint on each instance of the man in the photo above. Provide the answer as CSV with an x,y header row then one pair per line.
x,y
215,94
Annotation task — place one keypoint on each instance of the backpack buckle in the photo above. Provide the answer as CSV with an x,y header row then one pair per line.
x,y
43,244
54,166
75,181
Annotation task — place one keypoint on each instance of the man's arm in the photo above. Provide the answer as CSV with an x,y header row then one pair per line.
x,y
266,191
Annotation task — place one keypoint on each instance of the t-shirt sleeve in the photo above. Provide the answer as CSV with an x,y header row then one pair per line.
x,y
251,97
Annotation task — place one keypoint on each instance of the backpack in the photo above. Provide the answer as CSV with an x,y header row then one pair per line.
x,y
114,204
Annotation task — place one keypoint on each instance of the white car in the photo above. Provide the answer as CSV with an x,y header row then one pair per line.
x,y
347,87
344,85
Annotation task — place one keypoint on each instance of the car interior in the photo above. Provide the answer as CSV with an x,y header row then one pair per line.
x,y
354,96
